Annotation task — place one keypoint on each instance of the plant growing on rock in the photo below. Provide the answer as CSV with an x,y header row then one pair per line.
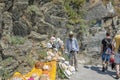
x,y
42,54
16,40
4,74
33,8
75,13
30,61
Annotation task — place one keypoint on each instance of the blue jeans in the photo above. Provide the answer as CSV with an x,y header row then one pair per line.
x,y
105,57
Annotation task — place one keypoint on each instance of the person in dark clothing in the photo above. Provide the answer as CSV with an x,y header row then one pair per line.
x,y
106,50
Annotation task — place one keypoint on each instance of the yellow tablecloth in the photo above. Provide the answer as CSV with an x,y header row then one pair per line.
x,y
52,72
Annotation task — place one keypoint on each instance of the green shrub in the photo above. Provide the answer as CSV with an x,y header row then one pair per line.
x,y
42,54
71,13
75,13
4,74
66,57
16,40
30,61
33,8
60,73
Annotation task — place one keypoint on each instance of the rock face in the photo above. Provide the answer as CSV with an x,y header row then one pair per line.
x,y
99,10
26,26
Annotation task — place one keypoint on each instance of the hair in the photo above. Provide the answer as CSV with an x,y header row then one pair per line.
x,y
108,34
70,36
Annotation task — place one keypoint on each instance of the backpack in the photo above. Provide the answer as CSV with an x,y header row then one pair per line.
x,y
53,45
108,45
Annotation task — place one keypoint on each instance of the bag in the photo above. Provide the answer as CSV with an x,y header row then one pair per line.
x,y
108,45
53,46
108,51
112,60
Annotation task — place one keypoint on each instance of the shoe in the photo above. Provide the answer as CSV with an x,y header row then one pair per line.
x,y
113,66
106,68
103,69
117,77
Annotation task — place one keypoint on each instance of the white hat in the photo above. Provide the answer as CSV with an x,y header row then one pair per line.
x,y
70,33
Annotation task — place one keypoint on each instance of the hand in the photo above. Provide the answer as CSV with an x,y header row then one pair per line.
x,y
77,52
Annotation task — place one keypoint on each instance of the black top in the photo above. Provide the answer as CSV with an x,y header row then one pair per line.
x,y
105,42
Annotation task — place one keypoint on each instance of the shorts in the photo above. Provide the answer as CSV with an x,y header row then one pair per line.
x,y
117,58
105,57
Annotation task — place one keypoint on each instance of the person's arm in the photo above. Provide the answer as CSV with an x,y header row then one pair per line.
x,y
101,51
113,46
76,43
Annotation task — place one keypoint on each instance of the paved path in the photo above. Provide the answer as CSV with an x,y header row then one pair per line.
x,y
93,73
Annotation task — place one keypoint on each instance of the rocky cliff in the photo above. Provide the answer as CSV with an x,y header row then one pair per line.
x,y
26,26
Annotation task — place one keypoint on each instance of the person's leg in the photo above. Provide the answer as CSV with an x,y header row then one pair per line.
x,y
117,65
107,61
112,61
113,66
117,71
71,58
75,61
103,62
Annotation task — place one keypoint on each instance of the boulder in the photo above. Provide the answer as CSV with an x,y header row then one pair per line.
x,y
94,42
37,36
97,12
